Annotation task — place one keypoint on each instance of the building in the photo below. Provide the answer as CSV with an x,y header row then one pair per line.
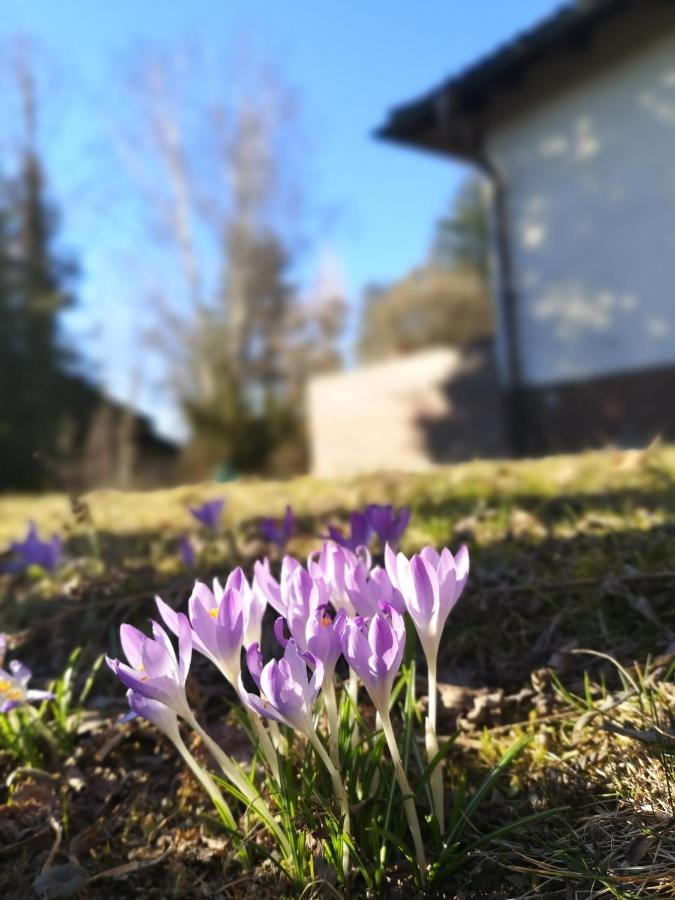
x,y
573,125
107,443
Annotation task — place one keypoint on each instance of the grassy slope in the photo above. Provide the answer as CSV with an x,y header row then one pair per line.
x,y
569,554
454,490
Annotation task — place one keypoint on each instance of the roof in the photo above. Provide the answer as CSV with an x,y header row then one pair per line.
x,y
457,102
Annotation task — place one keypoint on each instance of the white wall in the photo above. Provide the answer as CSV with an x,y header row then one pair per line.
x,y
590,181
405,414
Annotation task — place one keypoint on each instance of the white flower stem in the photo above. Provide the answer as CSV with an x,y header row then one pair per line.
x,y
258,725
406,790
333,721
431,690
340,793
243,785
279,741
431,742
353,692
266,745
206,782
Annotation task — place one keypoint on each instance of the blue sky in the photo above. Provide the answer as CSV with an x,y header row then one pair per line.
x,y
351,61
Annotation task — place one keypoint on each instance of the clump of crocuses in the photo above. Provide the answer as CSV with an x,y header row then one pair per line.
x,y
377,521
340,622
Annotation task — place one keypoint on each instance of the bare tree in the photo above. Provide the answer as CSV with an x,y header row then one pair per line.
x,y
218,175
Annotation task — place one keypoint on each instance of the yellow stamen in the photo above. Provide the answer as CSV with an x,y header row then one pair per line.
x,y
214,612
141,668
8,690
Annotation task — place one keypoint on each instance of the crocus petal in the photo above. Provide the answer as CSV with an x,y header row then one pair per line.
x,y
266,586
391,566
39,695
279,630
184,647
201,596
168,615
21,672
425,586
316,681
258,705
132,643
296,664
160,715
254,662
430,555
462,567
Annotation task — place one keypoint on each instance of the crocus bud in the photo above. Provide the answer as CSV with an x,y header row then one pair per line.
x,y
374,649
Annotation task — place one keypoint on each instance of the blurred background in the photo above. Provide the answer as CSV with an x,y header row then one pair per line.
x,y
252,238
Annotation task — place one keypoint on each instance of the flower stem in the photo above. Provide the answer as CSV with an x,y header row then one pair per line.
x,y
340,793
431,742
266,745
406,790
206,782
431,690
353,692
243,785
333,721
278,740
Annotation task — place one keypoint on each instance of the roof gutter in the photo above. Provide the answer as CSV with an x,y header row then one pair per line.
x,y
515,406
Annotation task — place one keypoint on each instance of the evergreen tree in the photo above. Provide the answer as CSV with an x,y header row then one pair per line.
x,y
444,301
462,239
35,388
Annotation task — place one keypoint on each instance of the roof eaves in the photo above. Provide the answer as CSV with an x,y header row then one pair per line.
x,y
464,93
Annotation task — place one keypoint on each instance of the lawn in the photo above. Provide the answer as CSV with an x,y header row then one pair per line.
x,y
565,633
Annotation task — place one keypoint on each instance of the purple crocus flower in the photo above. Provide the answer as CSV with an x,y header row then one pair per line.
x,y
359,536
310,624
14,690
388,524
303,596
209,513
33,551
266,586
431,584
368,590
157,674
287,695
222,621
154,671
158,714
374,649
331,564
254,603
187,552
279,533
